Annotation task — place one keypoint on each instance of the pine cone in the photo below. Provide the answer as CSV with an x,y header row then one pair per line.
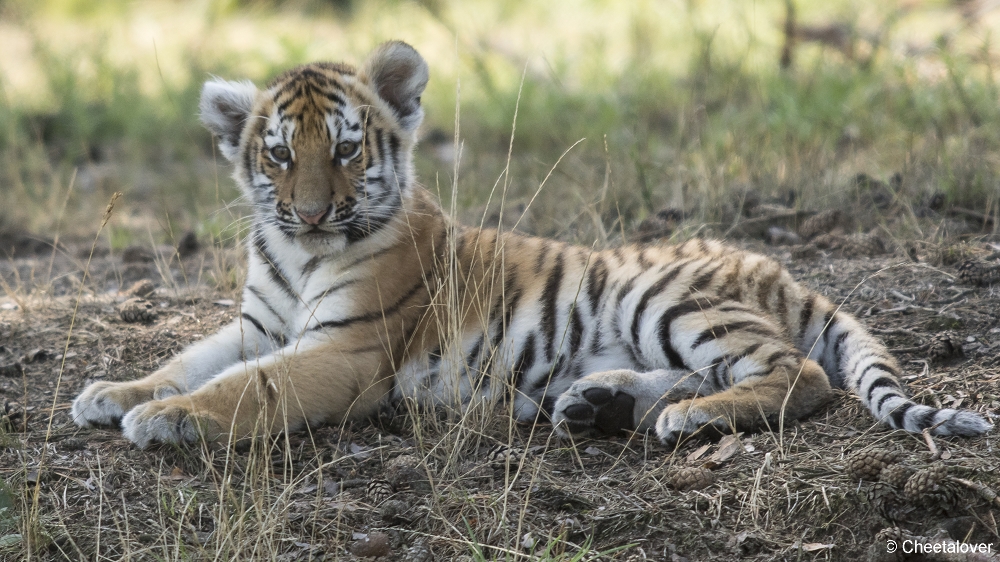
x,y
978,272
137,310
660,225
696,478
896,475
379,490
501,454
931,488
12,416
821,223
393,512
863,245
408,478
888,502
924,481
867,464
880,550
945,346
141,289
407,461
419,552
889,534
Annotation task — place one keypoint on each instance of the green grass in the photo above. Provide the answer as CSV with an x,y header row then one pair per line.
x,y
678,106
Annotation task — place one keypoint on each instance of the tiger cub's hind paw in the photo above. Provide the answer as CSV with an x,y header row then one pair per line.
x,y
167,421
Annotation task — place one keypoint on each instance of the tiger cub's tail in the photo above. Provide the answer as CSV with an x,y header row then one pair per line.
x,y
855,360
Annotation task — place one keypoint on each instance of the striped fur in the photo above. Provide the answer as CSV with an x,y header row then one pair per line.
x,y
360,292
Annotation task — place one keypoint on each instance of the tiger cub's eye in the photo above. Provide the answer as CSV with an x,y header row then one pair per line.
x,y
281,153
346,148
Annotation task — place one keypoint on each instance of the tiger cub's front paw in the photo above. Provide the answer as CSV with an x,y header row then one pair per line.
x,y
104,403
167,421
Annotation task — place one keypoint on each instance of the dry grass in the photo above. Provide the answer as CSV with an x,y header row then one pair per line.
x,y
652,142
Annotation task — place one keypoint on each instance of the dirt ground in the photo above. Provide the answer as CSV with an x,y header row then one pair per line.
x,y
430,488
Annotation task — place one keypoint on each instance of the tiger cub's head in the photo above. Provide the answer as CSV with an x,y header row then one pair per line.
x,y
324,151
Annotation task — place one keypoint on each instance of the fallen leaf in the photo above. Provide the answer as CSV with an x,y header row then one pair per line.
x,y
814,546
331,488
592,451
699,452
224,302
343,506
360,451
728,446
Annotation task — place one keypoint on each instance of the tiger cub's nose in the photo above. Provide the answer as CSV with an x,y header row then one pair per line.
x,y
315,218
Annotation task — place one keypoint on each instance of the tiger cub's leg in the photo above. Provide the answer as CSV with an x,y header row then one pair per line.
x,y
609,401
796,388
106,402
300,384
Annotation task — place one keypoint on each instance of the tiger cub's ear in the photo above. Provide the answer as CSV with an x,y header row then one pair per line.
x,y
399,74
225,107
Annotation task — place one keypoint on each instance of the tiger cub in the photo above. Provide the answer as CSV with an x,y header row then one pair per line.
x,y
361,292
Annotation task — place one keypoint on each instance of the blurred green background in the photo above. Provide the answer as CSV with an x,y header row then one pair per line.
x,y
688,104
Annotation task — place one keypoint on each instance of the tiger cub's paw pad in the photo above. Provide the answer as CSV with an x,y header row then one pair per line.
x,y
587,407
163,422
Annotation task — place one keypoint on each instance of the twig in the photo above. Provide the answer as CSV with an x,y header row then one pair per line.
x,y
914,349
984,492
985,218
895,332
935,453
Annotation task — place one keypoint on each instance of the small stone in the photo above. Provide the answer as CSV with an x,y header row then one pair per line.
x,y
35,475
780,236
695,478
36,355
372,545
868,464
137,310
141,288
14,369
188,245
